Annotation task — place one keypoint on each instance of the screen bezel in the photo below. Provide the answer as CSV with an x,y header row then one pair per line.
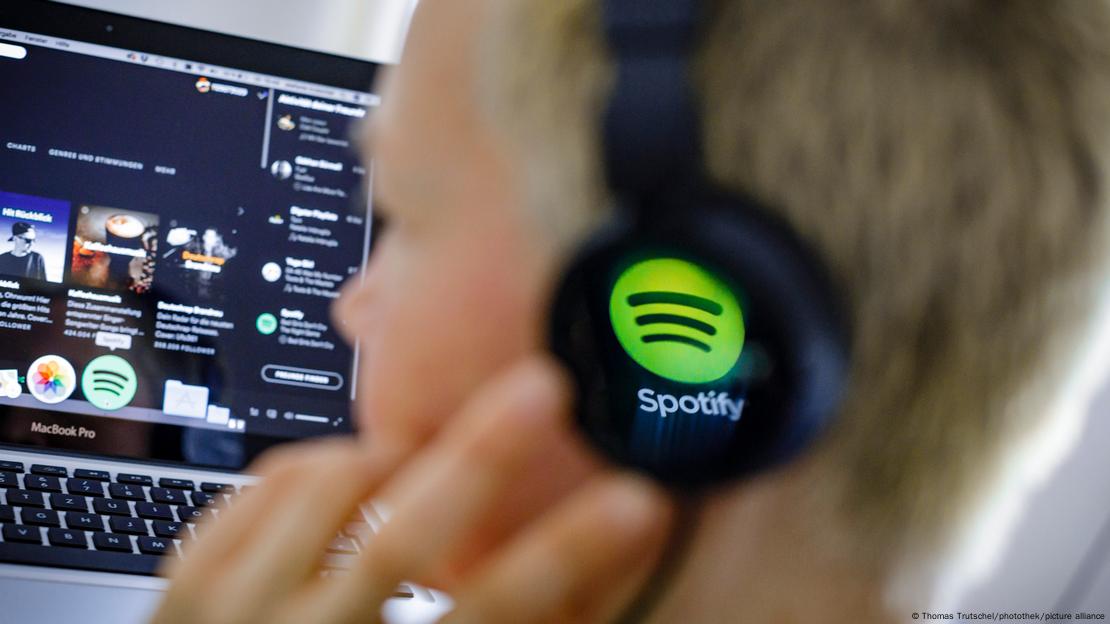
x,y
68,21
87,25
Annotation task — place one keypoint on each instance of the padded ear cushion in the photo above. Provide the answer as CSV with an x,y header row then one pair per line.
x,y
637,403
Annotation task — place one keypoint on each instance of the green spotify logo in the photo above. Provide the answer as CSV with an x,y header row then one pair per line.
x,y
109,382
677,320
266,323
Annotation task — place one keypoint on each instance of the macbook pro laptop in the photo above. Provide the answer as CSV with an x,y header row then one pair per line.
x,y
178,209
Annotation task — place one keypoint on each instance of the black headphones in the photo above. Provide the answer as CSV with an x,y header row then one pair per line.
x,y
703,336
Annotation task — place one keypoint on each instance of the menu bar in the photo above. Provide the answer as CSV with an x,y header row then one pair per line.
x,y
12,40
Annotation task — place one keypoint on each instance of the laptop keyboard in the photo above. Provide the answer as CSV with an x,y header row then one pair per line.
x,y
90,519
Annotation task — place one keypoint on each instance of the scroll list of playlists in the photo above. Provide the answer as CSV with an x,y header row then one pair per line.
x,y
180,235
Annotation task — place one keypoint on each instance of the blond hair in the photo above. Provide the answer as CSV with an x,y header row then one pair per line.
x,y
946,160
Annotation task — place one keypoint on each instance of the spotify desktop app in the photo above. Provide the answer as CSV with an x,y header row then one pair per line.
x,y
173,233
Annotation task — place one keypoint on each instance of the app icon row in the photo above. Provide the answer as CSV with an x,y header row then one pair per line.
x,y
109,382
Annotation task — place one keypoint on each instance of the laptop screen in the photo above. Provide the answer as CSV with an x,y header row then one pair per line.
x,y
173,232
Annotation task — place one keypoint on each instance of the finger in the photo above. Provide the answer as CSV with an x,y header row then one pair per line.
x,y
228,560
608,535
560,467
275,469
449,488
287,547
193,574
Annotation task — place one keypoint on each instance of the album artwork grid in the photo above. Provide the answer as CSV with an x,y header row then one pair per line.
x,y
108,248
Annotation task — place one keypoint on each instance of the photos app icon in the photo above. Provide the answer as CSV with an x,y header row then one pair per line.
x,y
51,379
677,320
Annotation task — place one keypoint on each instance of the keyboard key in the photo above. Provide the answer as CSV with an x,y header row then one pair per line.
x,y
7,513
95,475
156,546
216,488
42,483
153,511
40,517
345,562
403,591
189,514
69,502
23,498
102,561
9,480
110,507
166,495
130,526
85,487
126,491
11,466
67,537
342,546
338,564
202,499
361,532
20,533
134,479
167,529
177,484
111,541
53,471
84,521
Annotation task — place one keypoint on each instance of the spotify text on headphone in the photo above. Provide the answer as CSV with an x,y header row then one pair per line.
x,y
705,403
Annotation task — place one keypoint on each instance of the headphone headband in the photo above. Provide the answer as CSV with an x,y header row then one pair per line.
x,y
651,128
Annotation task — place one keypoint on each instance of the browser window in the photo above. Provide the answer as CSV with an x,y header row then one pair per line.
x,y
172,236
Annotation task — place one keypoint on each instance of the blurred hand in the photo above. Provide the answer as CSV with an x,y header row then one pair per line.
x,y
503,508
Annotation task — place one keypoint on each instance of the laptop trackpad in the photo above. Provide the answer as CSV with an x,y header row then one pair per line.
x,y
62,601
55,598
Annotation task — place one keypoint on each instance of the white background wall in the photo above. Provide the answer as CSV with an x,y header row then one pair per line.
x,y
1065,533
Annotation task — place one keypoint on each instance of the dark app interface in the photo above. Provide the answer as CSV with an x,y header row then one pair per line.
x,y
170,245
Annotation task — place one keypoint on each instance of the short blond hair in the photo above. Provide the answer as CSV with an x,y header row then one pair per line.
x,y
947,160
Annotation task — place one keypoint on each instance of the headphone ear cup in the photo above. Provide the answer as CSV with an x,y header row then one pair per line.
x,y
704,344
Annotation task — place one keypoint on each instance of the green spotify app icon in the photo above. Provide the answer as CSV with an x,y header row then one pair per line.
x,y
677,320
109,382
266,323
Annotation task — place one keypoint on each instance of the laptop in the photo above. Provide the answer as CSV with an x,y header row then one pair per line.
x,y
178,209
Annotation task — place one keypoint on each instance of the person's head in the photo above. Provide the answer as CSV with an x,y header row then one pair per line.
x,y
23,236
944,160
451,290
947,162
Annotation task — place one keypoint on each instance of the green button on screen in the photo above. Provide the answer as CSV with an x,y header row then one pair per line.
x,y
677,320
109,382
266,323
